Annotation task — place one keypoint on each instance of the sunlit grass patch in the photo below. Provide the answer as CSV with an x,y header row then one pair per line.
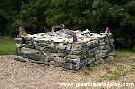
x,y
7,46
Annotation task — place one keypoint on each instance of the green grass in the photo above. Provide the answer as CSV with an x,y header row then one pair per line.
x,y
122,53
119,71
7,46
123,65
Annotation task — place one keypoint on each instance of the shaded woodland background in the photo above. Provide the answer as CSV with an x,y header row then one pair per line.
x,y
95,15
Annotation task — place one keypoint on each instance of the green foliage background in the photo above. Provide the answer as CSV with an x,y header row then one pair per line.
x,y
95,15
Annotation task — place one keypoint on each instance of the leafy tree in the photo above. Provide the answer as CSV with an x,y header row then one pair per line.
x,y
96,15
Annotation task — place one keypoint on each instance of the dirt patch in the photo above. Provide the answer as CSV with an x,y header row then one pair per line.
x,y
19,75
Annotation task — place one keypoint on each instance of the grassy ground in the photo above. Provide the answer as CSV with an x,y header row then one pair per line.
x,y
122,66
19,75
122,53
7,46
